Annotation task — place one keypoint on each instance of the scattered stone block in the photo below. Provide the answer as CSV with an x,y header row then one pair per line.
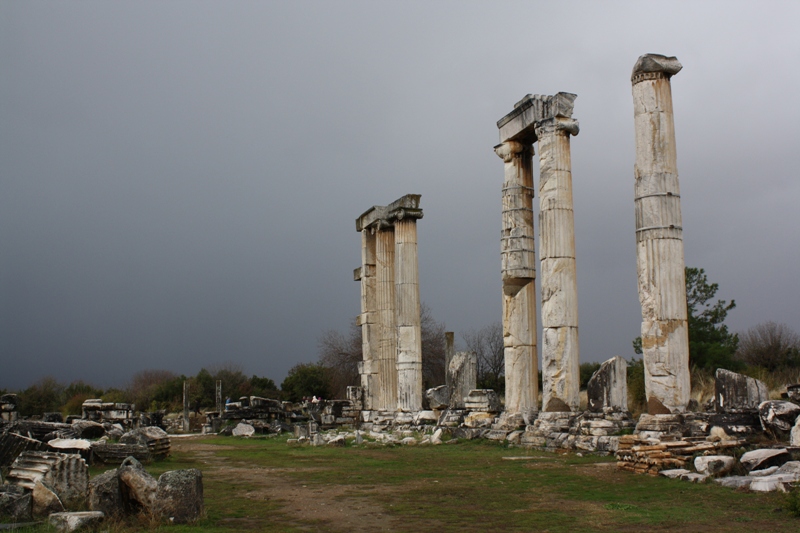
x,y
714,465
462,375
438,397
734,482
243,430
67,475
104,494
45,500
479,420
337,441
794,435
764,458
674,473
408,441
74,521
763,472
735,392
694,477
15,503
608,387
179,496
137,486
778,417
484,400
155,438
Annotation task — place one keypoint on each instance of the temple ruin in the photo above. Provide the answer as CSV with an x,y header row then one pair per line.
x,y
391,369
546,120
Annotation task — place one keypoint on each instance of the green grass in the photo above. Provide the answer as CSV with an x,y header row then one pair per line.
x,y
463,487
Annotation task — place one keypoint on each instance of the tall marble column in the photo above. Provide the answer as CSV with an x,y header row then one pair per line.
x,y
385,305
659,237
368,318
560,357
519,273
407,313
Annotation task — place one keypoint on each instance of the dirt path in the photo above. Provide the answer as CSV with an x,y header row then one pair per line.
x,y
308,507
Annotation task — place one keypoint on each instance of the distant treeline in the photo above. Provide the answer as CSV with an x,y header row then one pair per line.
x,y
153,390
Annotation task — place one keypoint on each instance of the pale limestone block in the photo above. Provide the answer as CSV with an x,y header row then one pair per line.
x,y
559,301
462,374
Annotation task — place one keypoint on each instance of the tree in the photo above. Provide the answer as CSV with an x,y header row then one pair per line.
x,y
340,354
305,380
487,343
145,385
75,394
44,396
433,349
770,345
264,387
711,345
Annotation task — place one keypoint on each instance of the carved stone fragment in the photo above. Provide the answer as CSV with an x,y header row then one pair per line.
x,y
736,392
608,387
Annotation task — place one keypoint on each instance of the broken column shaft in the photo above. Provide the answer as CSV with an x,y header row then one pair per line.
x,y
518,274
368,318
560,355
659,237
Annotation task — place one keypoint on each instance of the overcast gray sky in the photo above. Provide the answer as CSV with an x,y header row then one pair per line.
x,y
179,180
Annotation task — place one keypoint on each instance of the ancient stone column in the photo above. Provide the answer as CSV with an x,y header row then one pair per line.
x,y
368,317
560,359
659,238
407,316
387,331
518,274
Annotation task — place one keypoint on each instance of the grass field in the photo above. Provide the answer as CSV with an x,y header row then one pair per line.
x,y
262,484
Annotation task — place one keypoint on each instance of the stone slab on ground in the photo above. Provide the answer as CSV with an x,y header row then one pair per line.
x,y
75,521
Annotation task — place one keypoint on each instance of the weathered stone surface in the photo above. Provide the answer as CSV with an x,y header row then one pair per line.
x,y
608,387
179,496
734,482
243,430
436,438
45,500
438,397
104,493
155,438
659,238
425,417
778,417
794,435
479,419
462,372
714,465
408,441
15,503
65,474
733,392
75,521
484,400
518,266
674,473
764,458
693,477
137,486
764,471
337,441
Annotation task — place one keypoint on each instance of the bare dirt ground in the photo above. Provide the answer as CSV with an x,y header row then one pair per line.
x,y
309,506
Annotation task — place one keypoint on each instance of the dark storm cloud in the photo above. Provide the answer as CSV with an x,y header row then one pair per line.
x,y
179,181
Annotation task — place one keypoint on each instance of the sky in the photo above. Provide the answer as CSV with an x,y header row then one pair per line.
x,y
179,181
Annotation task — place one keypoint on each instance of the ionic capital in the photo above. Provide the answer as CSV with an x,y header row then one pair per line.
x,y
557,126
511,149
655,66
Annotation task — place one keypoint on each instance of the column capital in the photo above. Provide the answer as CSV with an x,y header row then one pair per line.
x,y
557,126
655,66
510,149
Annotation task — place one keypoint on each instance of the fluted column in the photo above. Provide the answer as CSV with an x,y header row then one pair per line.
x,y
519,273
368,318
659,237
385,303
407,315
560,355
